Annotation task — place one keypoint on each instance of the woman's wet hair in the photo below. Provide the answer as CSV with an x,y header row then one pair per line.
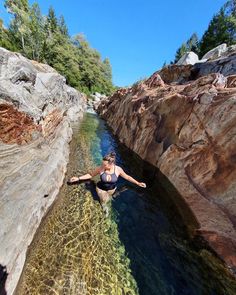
x,y
110,157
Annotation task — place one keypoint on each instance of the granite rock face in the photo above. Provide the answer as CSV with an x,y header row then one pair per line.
x,y
189,58
216,52
36,108
183,121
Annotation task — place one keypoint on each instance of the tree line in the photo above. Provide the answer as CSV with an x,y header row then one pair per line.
x,y
45,38
221,29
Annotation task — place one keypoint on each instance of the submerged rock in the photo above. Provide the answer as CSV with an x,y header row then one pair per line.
x,y
36,108
186,126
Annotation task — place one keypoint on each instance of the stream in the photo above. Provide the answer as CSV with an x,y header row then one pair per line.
x,y
142,247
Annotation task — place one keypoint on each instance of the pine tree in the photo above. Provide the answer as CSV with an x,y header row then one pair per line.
x,y
20,24
5,38
222,28
52,23
47,39
107,69
13,5
180,52
37,34
193,43
62,26
230,8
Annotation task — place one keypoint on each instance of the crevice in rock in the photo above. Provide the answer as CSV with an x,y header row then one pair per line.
x,y
188,116
3,278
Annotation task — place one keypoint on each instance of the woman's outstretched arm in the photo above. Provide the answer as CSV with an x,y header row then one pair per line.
x,y
86,176
131,179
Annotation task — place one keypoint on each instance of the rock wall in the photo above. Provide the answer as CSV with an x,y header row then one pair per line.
x,y
36,108
183,120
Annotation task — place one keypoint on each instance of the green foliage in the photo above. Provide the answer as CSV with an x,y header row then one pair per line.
x,y
107,69
15,5
62,26
180,52
222,28
37,34
52,25
46,39
20,23
6,38
192,44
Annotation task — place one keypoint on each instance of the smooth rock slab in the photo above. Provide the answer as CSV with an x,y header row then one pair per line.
x,y
36,109
189,58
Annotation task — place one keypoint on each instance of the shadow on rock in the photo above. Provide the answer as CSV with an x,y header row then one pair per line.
x,y
3,278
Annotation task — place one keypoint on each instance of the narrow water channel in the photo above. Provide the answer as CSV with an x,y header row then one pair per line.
x,y
143,247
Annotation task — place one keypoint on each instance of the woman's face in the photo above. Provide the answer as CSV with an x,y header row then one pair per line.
x,y
106,165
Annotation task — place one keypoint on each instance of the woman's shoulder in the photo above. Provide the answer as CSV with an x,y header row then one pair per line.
x,y
118,168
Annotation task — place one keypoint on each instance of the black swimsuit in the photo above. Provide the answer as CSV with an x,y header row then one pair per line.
x,y
108,181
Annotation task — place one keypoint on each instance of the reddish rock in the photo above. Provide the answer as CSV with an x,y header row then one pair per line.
x,y
155,81
188,131
51,121
175,73
231,81
15,126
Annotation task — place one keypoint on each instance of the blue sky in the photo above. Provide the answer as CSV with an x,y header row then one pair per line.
x,y
136,35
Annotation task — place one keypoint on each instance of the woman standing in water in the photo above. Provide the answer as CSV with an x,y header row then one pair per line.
x,y
109,173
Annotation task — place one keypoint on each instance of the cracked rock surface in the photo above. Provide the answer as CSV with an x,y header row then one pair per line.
x,y
183,121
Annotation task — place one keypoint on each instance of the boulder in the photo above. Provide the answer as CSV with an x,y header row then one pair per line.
x,y
215,52
98,96
189,58
95,100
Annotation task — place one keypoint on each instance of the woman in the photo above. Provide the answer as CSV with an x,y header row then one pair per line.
x,y
109,173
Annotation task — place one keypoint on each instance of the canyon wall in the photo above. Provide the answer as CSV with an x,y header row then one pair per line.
x,y
36,109
183,120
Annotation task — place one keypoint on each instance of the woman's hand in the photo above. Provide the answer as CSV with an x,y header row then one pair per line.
x,y
74,178
142,184
129,178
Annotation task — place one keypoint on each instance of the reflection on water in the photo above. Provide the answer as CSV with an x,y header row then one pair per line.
x,y
141,248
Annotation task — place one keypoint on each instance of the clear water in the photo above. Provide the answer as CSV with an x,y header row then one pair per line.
x,y
143,247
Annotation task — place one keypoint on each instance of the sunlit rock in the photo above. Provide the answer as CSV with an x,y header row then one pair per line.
x,y
215,52
186,126
189,58
36,108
